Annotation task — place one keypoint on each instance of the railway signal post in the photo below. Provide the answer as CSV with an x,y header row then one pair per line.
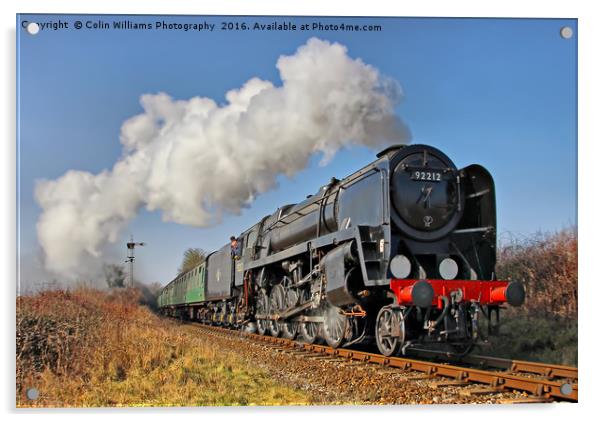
x,y
131,246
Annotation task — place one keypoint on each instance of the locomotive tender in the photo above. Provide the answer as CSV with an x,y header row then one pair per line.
x,y
402,253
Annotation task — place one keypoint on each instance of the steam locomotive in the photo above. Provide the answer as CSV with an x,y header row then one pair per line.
x,y
401,253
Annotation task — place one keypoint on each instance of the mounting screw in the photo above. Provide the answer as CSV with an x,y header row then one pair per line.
x,y
32,393
566,32
566,389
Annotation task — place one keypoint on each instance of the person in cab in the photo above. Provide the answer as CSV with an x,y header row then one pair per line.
x,y
234,247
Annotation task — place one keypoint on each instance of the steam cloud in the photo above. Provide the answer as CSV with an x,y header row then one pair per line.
x,y
196,160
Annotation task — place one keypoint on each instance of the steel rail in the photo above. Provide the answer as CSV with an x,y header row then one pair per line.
x,y
538,368
511,365
567,391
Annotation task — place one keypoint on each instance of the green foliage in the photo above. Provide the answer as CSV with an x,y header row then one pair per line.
x,y
549,340
192,258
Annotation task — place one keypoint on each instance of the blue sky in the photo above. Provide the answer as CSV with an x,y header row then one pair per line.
x,y
498,92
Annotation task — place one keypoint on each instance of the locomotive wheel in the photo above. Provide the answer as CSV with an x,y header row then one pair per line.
x,y
386,321
290,328
262,309
309,332
277,300
231,317
334,327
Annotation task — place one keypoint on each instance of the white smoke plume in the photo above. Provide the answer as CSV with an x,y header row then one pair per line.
x,y
196,160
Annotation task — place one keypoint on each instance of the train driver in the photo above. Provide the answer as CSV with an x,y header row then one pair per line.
x,y
234,247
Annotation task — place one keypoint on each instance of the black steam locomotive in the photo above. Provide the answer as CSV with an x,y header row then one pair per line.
x,y
402,253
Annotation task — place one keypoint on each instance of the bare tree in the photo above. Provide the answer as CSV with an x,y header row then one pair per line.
x,y
192,258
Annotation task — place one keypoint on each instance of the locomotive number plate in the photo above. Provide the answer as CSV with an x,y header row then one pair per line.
x,y
431,176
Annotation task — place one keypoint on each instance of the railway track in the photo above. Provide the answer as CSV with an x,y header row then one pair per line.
x,y
476,374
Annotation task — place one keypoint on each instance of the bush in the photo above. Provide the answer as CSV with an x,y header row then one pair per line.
x,y
547,264
544,328
93,348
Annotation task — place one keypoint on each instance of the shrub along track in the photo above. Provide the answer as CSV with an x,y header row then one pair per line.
x,y
352,376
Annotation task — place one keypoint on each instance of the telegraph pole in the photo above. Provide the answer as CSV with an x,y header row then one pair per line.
x,y
131,245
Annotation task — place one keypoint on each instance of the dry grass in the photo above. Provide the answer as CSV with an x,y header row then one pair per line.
x,y
90,348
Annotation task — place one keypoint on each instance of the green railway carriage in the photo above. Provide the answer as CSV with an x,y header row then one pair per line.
x,y
185,290
212,292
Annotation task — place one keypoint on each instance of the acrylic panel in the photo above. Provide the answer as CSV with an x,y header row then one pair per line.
x,y
272,210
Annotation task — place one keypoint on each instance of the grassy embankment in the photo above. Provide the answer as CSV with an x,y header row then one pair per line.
x,y
92,348
545,327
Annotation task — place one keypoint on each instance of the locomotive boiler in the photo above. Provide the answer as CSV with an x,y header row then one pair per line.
x,y
401,253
